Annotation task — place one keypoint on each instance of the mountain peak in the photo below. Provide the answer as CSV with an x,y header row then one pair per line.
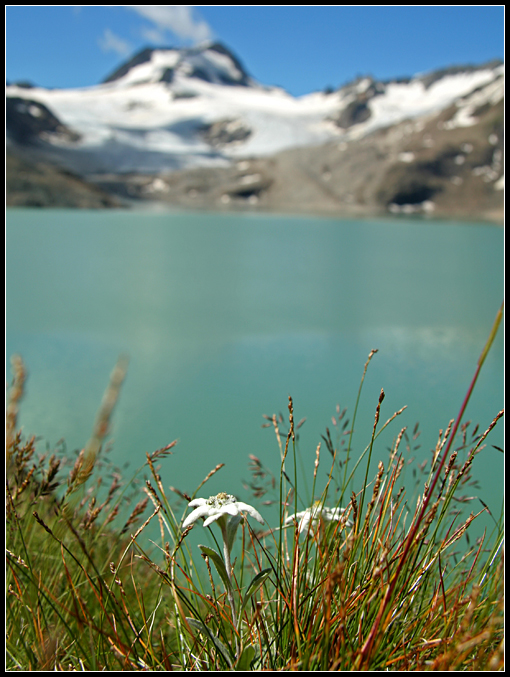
x,y
211,62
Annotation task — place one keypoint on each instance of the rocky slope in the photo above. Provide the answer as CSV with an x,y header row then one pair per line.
x,y
30,183
425,166
37,184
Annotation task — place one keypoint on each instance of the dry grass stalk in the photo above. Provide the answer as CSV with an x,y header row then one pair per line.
x,y
163,452
209,475
102,423
138,510
15,395
277,433
316,464
441,442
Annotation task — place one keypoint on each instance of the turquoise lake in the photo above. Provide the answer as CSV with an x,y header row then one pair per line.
x,y
225,316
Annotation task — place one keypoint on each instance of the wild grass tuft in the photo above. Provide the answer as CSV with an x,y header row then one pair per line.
x,y
365,577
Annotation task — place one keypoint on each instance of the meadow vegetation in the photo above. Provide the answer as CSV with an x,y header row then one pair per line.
x,y
367,577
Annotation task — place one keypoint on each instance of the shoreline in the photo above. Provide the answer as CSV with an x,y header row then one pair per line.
x,y
489,219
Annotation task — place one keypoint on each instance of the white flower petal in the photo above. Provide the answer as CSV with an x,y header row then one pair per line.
x,y
250,510
297,516
230,508
212,518
314,514
304,523
196,514
197,501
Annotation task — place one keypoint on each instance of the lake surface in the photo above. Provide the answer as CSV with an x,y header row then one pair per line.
x,y
225,316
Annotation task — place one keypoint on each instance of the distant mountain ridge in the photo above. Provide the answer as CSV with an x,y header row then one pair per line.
x,y
172,111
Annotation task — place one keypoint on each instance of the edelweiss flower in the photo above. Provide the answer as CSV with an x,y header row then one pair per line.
x,y
227,511
215,507
315,515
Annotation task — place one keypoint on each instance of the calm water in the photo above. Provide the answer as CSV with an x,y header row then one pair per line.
x,y
224,316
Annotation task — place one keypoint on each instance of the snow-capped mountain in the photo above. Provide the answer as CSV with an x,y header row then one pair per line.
x,y
171,109
214,63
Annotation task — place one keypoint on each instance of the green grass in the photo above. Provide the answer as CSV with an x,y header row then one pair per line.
x,y
392,584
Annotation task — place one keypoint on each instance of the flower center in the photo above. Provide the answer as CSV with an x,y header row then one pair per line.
x,y
221,499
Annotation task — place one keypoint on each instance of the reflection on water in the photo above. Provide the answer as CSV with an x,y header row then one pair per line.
x,y
225,316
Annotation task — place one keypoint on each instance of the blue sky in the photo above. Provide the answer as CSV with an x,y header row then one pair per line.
x,y
300,48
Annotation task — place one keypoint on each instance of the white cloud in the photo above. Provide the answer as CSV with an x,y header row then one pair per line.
x,y
177,19
109,42
153,35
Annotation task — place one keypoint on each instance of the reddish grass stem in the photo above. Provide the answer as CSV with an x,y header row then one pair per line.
x,y
367,647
